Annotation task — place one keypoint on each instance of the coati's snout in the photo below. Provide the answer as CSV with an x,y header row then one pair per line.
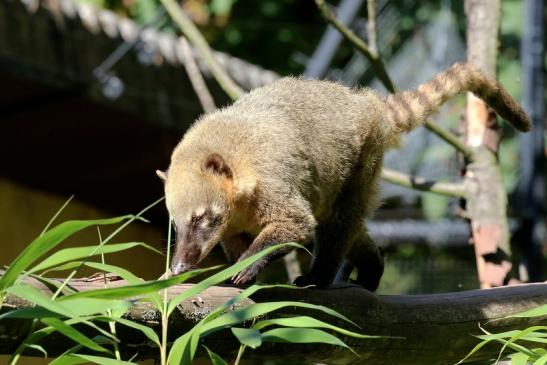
x,y
198,200
185,258
197,233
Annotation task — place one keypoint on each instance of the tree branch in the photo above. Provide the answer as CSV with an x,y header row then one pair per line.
x,y
457,190
438,328
198,41
196,79
358,43
487,208
381,72
371,26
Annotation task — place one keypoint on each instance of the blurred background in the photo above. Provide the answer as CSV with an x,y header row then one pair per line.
x,y
95,96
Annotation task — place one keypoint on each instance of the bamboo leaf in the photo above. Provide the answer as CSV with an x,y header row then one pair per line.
x,y
38,348
519,359
248,336
35,296
534,312
259,309
95,359
215,359
223,275
309,322
46,242
302,335
184,348
49,308
147,331
541,361
129,291
77,253
73,334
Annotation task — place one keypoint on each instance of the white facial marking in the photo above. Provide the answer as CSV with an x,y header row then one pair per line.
x,y
204,222
200,211
215,208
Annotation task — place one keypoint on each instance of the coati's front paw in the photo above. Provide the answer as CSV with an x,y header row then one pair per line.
x,y
247,275
311,280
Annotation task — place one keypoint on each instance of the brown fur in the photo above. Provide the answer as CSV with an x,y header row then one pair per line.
x,y
298,160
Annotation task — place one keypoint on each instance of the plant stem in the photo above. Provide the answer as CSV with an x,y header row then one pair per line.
x,y
59,211
164,314
198,41
111,324
240,354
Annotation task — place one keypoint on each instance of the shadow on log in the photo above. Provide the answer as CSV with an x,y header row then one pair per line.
x,y
437,328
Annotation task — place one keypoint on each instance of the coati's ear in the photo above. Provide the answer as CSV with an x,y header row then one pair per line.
x,y
215,163
162,175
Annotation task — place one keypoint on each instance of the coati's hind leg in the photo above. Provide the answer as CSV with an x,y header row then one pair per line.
x,y
333,238
343,234
368,259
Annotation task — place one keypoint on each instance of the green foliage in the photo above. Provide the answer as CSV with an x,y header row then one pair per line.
x,y
521,343
69,312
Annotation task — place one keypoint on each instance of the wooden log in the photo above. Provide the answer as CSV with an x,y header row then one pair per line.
x,y
438,328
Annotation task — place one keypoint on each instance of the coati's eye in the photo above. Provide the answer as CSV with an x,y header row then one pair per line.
x,y
196,219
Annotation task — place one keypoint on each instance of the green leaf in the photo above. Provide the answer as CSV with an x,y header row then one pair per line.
x,y
88,306
222,276
184,348
73,334
38,348
309,322
67,266
248,336
542,360
147,331
95,359
35,296
68,360
519,359
121,272
57,213
46,242
215,359
258,309
52,283
534,312
521,335
302,335
129,291
49,308
76,253
30,313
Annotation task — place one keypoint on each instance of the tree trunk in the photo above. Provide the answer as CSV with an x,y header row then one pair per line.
x,y
437,328
487,207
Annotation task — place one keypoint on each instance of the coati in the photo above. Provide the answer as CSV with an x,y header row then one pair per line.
x,y
298,161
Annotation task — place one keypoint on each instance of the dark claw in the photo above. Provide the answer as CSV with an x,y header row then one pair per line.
x,y
310,280
247,275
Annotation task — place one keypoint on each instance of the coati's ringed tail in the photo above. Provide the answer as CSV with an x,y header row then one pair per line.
x,y
410,108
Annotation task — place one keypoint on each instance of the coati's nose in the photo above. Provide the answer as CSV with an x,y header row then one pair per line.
x,y
178,267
